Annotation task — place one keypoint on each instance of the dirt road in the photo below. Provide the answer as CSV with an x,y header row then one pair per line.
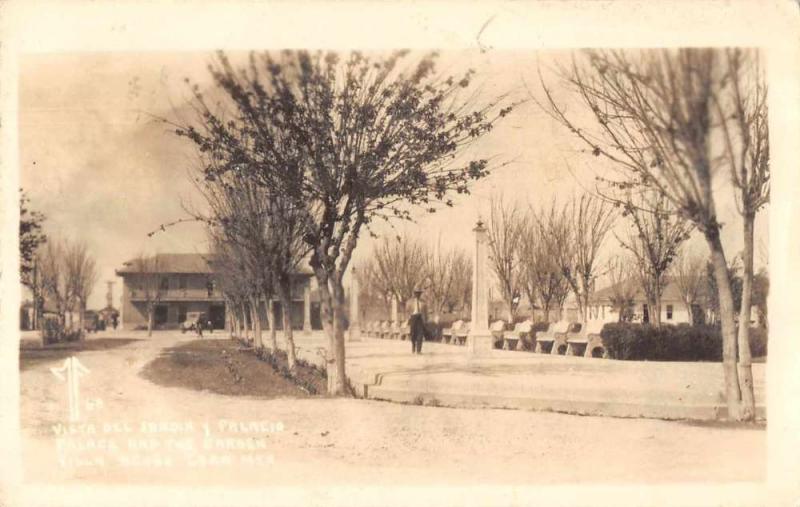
x,y
139,432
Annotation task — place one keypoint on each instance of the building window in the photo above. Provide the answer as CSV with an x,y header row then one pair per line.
x,y
164,285
181,314
182,282
669,312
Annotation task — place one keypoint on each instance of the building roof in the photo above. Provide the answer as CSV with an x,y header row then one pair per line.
x,y
671,292
172,263
193,263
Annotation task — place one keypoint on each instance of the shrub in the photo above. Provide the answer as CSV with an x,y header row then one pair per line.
x,y
643,342
758,341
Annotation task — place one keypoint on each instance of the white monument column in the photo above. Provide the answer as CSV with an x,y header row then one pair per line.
x,y
355,321
307,307
480,340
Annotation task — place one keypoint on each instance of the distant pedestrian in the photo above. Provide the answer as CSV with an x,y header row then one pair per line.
x,y
114,321
199,327
416,324
210,327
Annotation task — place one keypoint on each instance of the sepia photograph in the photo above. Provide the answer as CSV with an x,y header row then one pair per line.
x,y
393,266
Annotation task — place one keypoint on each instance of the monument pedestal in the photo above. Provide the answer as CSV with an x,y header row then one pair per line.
x,y
480,342
354,335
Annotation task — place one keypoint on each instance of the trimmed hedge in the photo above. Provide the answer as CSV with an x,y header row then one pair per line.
x,y
643,342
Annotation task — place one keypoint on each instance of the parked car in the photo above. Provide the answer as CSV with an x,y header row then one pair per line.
x,y
192,321
90,321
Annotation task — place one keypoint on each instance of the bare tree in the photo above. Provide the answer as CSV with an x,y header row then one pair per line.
x,y
233,280
579,231
55,279
623,287
81,272
690,274
285,235
460,296
374,283
505,233
239,220
657,234
347,141
148,278
542,278
401,262
658,117
446,273
742,113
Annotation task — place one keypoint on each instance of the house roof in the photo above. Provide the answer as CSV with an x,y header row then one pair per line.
x,y
670,293
193,263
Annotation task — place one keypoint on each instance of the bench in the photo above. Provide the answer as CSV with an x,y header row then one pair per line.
x,y
385,330
497,329
461,334
515,339
588,342
449,333
403,332
549,341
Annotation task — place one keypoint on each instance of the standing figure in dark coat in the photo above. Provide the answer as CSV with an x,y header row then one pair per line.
x,y
416,324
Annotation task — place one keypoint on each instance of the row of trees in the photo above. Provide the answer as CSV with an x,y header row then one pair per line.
x,y
401,265
66,276
59,273
549,252
673,122
556,250
336,143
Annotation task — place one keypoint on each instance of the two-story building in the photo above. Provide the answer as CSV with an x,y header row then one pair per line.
x,y
187,283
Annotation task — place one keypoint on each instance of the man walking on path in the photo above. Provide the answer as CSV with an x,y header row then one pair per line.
x,y
416,324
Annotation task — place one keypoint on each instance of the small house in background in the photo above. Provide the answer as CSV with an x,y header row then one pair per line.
x,y
673,309
188,283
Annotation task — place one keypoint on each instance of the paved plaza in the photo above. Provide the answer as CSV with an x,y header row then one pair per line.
x,y
449,375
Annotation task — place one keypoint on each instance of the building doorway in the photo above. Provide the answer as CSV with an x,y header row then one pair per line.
x,y
216,314
160,315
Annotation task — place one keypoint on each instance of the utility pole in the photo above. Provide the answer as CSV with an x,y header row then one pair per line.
x,y
109,293
35,290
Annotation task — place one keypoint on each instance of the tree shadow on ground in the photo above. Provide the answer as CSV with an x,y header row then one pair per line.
x,y
30,357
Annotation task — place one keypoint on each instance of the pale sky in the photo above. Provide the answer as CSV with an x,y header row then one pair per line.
x,y
101,170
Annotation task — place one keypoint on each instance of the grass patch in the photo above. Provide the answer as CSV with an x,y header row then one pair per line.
x,y
226,367
33,356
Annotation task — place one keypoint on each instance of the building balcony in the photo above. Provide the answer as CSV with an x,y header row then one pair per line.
x,y
179,295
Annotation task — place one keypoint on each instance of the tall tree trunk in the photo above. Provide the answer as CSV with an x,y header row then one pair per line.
x,y
245,321
726,317
256,318
150,312
745,364
655,310
509,311
273,324
332,313
80,318
284,294
288,332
